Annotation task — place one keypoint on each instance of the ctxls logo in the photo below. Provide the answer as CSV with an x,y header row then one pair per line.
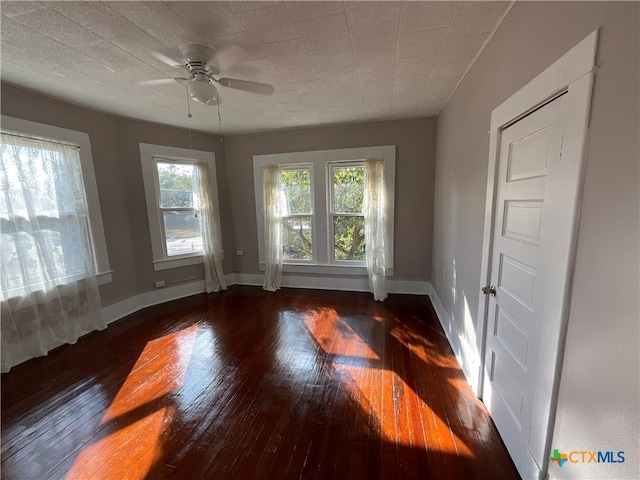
x,y
558,457
586,457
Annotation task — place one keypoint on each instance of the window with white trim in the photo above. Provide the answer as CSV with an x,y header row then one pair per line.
x,y
323,220
174,225
297,217
52,222
345,211
180,223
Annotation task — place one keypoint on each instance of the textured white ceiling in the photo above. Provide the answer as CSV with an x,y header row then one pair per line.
x,y
330,62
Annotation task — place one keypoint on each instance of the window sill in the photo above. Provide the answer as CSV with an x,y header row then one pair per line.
x,y
325,269
104,277
169,263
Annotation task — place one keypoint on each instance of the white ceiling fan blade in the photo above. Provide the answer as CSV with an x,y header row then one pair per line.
x,y
160,81
227,57
164,59
246,85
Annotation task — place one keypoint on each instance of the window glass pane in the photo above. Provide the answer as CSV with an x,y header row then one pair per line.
x,y
44,215
176,184
296,185
348,189
182,233
348,237
297,241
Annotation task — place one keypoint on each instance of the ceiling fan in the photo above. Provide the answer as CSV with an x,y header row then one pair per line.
x,y
203,66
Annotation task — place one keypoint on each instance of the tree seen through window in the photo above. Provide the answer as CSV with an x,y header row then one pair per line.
x,y
298,214
347,216
181,223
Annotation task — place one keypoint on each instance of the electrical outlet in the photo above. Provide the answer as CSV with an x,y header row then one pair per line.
x,y
159,284
240,252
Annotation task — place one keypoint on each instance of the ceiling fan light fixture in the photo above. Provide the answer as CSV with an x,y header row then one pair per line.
x,y
201,90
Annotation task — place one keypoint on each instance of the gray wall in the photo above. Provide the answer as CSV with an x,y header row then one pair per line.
x,y
599,392
116,160
120,188
415,157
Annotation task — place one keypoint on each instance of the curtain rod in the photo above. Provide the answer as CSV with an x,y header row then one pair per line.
x,y
33,137
181,160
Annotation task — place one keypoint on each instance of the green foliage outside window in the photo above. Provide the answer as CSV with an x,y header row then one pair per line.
x,y
176,185
348,230
297,242
348,221
181,227
297,190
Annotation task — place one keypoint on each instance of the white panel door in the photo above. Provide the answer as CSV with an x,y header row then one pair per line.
x,y
527,208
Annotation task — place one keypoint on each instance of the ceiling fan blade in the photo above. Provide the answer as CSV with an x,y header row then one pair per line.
x,y
168,60
227,57
160,81
246,85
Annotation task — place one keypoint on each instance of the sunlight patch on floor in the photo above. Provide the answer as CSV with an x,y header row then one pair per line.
x,y
383,396
159,370
127,453
334,335
133,440
392,409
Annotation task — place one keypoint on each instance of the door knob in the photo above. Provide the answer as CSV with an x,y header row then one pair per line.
x,y
491,290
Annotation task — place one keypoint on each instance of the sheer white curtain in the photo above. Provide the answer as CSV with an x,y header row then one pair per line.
x,y
48,289
206,203
375,226
273,227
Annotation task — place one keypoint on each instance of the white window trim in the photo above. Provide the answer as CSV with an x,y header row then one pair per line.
x,y
331,213
82,140
319,159
148,154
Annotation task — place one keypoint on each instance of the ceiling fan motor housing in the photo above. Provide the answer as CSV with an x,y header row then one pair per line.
x,y
195,58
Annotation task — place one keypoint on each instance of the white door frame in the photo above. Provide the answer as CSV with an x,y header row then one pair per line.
x,y
571,75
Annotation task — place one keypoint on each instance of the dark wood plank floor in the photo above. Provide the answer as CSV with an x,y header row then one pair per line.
x,y
253,385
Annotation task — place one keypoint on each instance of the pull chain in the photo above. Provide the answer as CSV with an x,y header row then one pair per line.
x,y
219,121
189,116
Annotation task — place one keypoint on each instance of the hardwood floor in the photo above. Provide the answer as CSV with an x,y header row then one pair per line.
x,y
253,385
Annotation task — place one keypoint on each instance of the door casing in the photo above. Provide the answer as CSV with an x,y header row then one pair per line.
x,y
571,75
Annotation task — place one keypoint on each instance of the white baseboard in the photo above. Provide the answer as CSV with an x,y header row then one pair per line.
x,y
131,305
468,361
253,279
128,306
318,282
409,287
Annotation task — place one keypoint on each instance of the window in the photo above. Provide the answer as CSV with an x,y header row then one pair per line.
x,y
323,219
347,219
168,175
298,214
49,209
181,225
